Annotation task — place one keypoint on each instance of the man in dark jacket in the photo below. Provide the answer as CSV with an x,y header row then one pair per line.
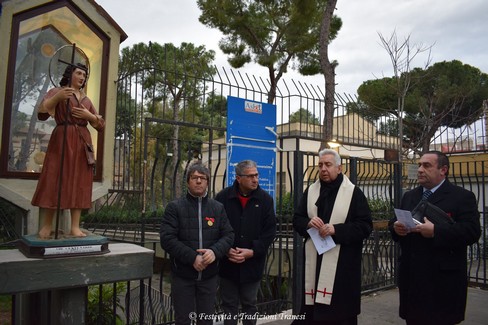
x,y
196,233
333,206
251,213
433,276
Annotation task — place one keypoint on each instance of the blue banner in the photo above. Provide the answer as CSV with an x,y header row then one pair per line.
x,y
251,134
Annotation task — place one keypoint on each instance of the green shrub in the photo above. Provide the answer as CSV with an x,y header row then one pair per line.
x,y
5,309
128,210
285,210
381,209
101,312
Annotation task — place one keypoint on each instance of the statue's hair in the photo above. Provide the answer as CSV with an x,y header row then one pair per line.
x,y
69,71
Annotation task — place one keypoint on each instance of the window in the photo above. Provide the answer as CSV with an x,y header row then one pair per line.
x,y
36,36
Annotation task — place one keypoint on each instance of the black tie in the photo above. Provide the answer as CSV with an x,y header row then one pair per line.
x,y
426,195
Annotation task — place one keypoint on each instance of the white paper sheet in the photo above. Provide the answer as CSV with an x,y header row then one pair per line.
x,y
405,217
322,245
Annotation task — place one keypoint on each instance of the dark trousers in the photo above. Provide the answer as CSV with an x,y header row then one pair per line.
x,y
349,321
424,322
191,296
233,293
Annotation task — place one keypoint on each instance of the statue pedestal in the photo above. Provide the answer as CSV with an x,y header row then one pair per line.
x,y
33,246
54,291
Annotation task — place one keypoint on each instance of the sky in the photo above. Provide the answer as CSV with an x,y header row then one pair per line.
x,y
455,30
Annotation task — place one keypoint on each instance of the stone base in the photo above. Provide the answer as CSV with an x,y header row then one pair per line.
x,y
34,247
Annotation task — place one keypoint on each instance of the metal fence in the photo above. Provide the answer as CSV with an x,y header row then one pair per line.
x,y
157,137
12,222
280,287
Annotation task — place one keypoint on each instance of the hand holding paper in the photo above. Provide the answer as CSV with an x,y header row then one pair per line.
x,y
405,217
322,245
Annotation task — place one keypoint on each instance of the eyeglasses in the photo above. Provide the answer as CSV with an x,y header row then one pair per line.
x,y
250,175
202,178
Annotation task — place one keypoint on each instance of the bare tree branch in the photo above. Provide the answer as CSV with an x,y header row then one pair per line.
x,y
401,56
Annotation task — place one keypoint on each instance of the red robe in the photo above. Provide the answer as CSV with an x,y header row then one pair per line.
x,y
77,179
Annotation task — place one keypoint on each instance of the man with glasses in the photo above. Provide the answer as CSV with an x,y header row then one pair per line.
x,y
196,233
251,213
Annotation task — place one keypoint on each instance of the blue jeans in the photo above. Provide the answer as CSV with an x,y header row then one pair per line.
x,y
191,296
232,293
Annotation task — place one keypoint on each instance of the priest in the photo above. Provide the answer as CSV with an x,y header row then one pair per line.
x,y
334,207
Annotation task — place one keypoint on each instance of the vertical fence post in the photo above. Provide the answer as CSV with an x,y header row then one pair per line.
x,y
142,299
298,258
398,192
397,181
353,170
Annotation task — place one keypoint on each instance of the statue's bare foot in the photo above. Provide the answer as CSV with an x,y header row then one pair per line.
x,y
45,232
77,233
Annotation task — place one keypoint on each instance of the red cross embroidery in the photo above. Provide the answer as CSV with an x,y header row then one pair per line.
x,y
311,293
324,292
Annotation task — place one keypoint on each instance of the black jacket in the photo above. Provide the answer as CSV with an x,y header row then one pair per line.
x,y
183,231
254,227
433,275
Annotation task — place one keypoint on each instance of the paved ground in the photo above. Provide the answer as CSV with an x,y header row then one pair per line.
x,y
381,308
